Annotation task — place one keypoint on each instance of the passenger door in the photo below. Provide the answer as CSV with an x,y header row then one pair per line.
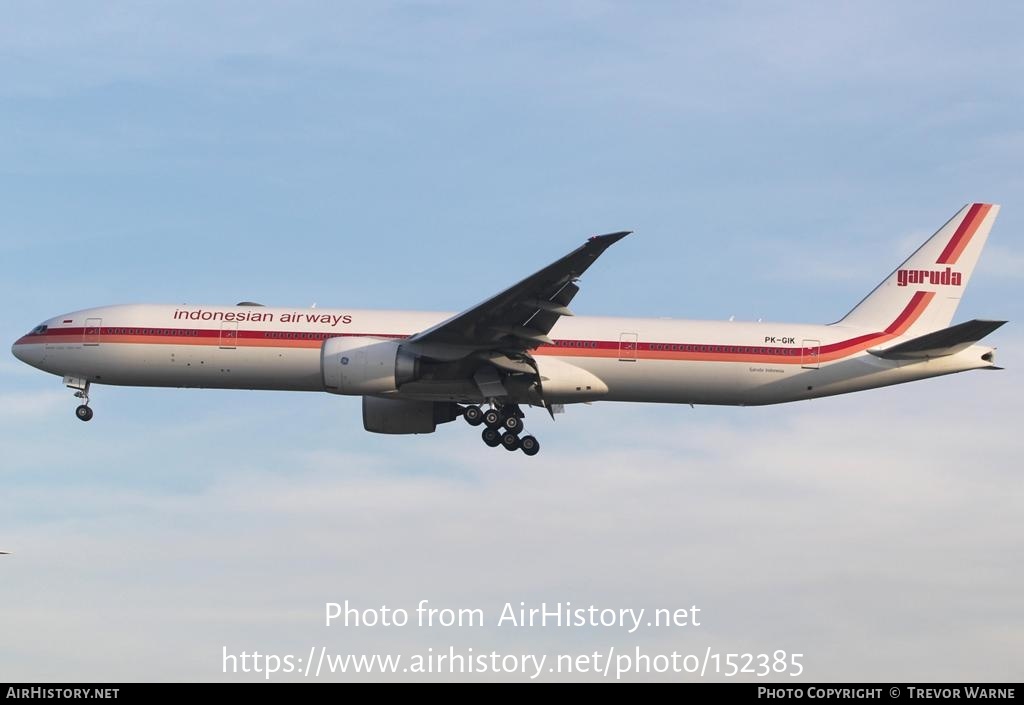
x,y
809,354
91,334
228,335
627,347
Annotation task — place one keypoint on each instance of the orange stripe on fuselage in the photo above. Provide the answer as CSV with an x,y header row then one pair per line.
x,y
568,348
644,352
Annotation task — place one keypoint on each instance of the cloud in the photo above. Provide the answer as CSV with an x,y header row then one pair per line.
x,y
17,408
1001,261
306,151
819,527
707,59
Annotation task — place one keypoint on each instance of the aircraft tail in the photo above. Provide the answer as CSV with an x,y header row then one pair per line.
x,y
923,293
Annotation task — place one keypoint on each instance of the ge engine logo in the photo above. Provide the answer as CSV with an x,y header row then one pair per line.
x,y
344,360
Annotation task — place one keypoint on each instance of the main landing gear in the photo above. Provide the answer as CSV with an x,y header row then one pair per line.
x,y
508,417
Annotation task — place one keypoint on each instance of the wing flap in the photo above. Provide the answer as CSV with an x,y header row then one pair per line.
x,y
940,343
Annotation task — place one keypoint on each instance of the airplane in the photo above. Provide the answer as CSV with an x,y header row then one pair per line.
x,y
524,347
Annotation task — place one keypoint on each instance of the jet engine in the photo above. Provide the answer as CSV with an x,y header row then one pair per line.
x,y
358,366
401,416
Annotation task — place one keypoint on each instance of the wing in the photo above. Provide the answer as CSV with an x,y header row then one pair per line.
x,y
520,318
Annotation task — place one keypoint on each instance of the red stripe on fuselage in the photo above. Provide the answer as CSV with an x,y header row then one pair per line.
x,y
706,352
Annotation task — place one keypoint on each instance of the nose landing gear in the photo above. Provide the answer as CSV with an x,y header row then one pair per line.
x,y
508,417
83,411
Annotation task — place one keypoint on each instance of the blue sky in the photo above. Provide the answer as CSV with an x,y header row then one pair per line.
x,y
776,160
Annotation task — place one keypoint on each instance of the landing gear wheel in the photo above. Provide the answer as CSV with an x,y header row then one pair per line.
x,y
473,415
83,412
510,441
529,445
514,424
492,418
491,437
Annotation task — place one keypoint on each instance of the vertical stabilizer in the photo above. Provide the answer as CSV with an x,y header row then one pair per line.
x,y
923,293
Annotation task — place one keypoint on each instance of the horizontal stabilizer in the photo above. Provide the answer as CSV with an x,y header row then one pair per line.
x,y
941,343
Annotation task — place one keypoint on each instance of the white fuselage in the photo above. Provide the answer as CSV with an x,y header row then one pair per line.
x,y
636,359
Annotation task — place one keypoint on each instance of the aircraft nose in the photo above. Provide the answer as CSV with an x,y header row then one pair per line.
x,y
28,353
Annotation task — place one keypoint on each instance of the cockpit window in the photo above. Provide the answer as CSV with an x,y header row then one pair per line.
x,y
39,330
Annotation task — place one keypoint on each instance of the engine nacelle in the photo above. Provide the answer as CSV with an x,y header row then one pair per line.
x,y
358,366
404,416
